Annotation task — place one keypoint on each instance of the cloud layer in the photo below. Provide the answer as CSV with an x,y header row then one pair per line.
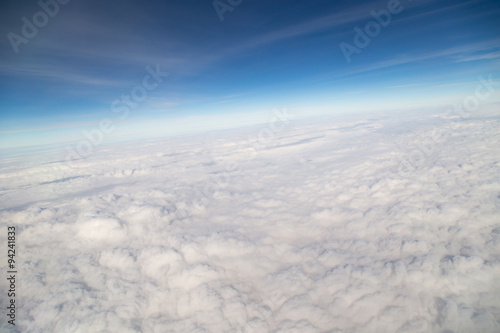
x,y
311,230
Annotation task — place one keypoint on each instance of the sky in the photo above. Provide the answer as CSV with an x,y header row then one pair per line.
x,y
219,65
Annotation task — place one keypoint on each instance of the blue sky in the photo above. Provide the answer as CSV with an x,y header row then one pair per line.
x,y
263,55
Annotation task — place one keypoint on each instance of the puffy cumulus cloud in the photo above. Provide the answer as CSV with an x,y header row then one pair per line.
x,y
328,227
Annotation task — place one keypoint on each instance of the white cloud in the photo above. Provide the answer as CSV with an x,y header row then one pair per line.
x,y
315,231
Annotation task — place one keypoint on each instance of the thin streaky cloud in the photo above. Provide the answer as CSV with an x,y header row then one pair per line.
x,y
329,22
404,59
486,56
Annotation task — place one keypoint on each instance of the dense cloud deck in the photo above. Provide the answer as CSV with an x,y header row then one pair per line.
x,y
355,226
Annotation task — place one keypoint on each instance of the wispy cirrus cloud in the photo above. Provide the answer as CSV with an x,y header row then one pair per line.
x,y
449,53
476,57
